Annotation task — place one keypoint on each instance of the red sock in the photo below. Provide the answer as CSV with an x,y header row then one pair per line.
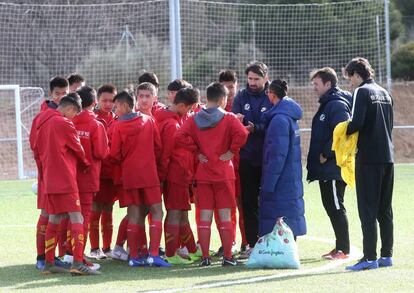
x,y
234,223
133,235
226,231
40,234
107,229
78,241
94,229
69,238
171,234
187,238
51,241
197,219
204,233
142,242
155,232
122,232
86,219
63,231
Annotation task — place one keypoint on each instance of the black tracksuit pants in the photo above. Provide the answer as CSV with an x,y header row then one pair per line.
x,y
250,179
374,187
332,193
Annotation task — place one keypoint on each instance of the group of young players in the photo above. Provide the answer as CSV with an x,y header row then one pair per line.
x,y
93,148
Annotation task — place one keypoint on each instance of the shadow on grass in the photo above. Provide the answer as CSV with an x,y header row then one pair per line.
x,y
27,277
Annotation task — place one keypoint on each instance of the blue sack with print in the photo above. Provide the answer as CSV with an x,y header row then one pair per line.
x,y
276,250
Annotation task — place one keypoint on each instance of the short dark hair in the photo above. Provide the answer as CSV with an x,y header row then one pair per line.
x,y
187,96
106,88
178,84
147,86
279,87
149,77
325,74
216,91
75,78
71,99
87,95
361,66
257,67
124,97
227,75
59,82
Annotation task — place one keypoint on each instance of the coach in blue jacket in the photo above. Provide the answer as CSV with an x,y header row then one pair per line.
x,y
282,188
249,105
334,107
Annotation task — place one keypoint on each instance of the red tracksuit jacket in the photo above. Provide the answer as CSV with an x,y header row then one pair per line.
x,y
228,134
176,163
106,165
136,145
59,150
94,141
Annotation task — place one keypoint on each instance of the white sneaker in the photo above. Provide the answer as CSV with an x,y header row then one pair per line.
x,y
96,254
67,258
246,254
91,265
119,253
234,249
183,252
108,253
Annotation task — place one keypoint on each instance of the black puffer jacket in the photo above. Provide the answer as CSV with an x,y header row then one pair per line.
x,y
335,107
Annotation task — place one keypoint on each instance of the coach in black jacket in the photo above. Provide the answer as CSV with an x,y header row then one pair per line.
x,y
372,117
335,105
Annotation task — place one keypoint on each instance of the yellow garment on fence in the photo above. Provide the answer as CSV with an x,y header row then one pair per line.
x,y
345,148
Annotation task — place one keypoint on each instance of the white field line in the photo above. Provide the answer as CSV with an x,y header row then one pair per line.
x,y
355,254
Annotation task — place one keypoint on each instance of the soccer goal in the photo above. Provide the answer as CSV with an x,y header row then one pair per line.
x,y
18,107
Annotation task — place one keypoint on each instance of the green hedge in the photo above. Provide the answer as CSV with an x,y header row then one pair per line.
x,y
403,62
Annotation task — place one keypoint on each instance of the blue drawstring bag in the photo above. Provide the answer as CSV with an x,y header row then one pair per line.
x,y
276,250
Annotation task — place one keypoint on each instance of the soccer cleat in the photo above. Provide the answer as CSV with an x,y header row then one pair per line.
x,y
80,269
363,265
335,254
219,252
183,252
62,264
119,253
161,251
40,264
196,255
108,252
157,261
205,262
246,253
178,260
53,269
229,262
384,262
138,262
96,254
91,265
67,258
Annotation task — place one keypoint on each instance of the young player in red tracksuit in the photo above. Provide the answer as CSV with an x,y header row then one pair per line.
x,y
59,87
215,135
176,174
105,198
94,141
228,78
150,77
59,149
136,146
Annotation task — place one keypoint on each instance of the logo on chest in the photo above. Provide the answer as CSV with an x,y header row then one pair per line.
x,y
322,117
263,109
247,107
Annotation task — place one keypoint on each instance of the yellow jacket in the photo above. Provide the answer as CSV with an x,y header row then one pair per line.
x,y
345,148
